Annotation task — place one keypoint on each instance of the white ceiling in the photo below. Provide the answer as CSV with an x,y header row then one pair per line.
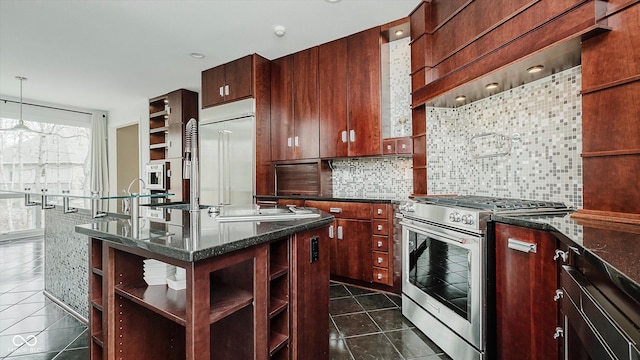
x,y
102,54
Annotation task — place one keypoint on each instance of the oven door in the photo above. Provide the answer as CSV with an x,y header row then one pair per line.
x,y
442,273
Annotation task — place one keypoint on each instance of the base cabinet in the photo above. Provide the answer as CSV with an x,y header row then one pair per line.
x,y
267,301
526,283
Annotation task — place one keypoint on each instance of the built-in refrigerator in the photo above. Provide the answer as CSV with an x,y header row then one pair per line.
x,y
227,153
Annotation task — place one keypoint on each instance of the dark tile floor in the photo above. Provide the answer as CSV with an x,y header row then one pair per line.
x,y
369,325
32,326
363,324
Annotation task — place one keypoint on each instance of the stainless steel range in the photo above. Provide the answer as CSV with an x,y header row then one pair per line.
x,y
444,257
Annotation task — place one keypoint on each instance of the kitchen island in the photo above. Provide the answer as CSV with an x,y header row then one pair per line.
x,y
254,290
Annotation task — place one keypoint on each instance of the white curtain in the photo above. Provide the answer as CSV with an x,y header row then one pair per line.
x,y
99,165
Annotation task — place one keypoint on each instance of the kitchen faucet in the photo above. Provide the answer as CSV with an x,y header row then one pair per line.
x,y
191,165
126,203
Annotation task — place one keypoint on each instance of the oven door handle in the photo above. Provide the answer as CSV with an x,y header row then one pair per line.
x,y
440,235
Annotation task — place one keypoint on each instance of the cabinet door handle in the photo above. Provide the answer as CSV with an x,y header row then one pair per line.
x,y
344,136
335,210
559,295
379,276
379,211
331,232
379,260
403,146
339,232
561,254
226,90
380,227
522,246
388,147
289,142
352,135
221,91
379,244
296,142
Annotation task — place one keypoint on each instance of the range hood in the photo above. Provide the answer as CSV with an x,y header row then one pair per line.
x,y
555,59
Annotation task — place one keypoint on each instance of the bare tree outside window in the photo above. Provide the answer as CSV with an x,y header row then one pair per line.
x,y
52,156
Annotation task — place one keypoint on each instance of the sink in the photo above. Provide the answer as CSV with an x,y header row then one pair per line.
x,y
178,206
245,213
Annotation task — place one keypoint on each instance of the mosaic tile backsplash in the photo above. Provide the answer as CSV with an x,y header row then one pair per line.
x,y
373,178
520,143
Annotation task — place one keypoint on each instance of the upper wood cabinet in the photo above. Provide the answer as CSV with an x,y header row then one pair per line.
x,y
228,82
350,89
332,78
294,106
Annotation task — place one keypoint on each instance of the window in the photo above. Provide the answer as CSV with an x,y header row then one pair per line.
x,y
50,155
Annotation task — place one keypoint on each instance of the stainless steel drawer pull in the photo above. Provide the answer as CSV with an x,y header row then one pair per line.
x,y
335,210
380,227
379,276
379,243
558,295
339,232
379,260
379,211
331,232
522,246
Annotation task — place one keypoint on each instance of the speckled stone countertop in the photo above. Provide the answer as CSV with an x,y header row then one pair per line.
x,y
212,237
613,248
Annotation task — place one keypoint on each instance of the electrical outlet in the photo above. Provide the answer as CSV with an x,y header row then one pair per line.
x,y
315,249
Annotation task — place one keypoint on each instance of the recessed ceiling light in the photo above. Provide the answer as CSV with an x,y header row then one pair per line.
x,y
535,69
399,32
491,86
196,55
461,98
332,1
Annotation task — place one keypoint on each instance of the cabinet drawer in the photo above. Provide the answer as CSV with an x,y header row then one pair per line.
x,y
404,146
380,227
380,259
380,243
344,210
380,211
388,146
381,276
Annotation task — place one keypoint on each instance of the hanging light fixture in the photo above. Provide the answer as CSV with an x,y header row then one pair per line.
x,y
20,126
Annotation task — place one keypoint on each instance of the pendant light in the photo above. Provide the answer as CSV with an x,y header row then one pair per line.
x,y
20,126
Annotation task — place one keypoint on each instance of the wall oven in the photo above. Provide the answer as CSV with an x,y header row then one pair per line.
x,y
446,261
156,175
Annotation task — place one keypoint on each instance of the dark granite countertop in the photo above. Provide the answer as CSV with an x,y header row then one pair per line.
x,y
320,198
613,248
213,237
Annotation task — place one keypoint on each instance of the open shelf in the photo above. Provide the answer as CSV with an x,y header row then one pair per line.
x,y
276,342
158,129
98,338
158,146
158,299
277,271
162,113
277,306
171,304
97,303
227,300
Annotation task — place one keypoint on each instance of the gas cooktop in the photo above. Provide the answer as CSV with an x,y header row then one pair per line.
x,y
493,204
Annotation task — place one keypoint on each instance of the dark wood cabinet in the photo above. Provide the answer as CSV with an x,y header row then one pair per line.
x,y
228,82
526,283
350,96
332,78
295,122
267,301
363,84
168,116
